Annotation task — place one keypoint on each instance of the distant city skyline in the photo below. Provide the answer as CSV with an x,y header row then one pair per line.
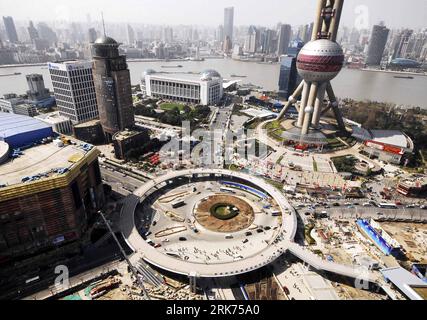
x,y
204,12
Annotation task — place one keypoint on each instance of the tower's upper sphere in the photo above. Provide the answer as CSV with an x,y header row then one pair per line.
x,y
320,60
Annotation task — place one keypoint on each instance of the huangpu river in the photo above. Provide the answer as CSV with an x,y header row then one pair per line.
x,y
350,83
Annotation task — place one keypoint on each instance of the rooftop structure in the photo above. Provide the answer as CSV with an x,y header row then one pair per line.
x,y
19,131
59,123
205,88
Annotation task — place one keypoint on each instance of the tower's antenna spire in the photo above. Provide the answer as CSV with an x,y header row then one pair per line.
x,y
103,23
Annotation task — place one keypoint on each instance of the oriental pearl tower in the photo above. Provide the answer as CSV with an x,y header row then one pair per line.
x,y
318,62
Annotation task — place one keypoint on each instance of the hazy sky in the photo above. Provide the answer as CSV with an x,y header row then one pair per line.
x,y
210,12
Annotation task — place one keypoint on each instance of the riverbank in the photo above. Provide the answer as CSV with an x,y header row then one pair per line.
x,y
395,72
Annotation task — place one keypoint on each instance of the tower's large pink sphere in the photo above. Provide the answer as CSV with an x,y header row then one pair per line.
x,y
320,61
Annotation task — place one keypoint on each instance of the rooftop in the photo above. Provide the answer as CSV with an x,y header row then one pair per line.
x,y
40,159
14,124
126,134
52,117
391,137
185,77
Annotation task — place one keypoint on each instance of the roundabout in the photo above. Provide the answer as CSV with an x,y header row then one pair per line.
x,y
207,223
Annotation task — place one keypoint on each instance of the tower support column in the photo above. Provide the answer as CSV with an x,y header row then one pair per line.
x,y
309,109
304,99
318,105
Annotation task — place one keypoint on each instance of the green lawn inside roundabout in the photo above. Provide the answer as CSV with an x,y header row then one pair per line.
x,y
224,211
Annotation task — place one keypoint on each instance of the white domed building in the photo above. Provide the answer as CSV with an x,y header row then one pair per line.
x,y
205,88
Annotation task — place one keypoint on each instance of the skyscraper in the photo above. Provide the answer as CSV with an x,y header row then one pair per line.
x,y
113,87
37,90
10,29
269,41
252,39
32,31
377,44
401,43
220,34
229,23
92,35
74,90
227,45
130,35
289,77
285,33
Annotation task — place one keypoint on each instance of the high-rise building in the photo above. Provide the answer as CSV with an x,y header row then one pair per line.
x,y
285,33
252,39
401,43
92,35
46,33
113,87
167,34
130,35
49,214
227,44
269,42
10,29
289,77
74,90
229,23
220,34
32,31
377,44
37,90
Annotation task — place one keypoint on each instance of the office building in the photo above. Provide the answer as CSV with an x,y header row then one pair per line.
x,y
289,77
377,44
74,90
9,102
252,40
92,35
37,90
205,88
229,23
401,43
113,87
25,109
285,33
227,46
32,31
130,35
9,26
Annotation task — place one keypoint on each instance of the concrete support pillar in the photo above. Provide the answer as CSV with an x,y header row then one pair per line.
x,y
304,99
193,282
309,109
291,100
318,20
335,109
318,105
